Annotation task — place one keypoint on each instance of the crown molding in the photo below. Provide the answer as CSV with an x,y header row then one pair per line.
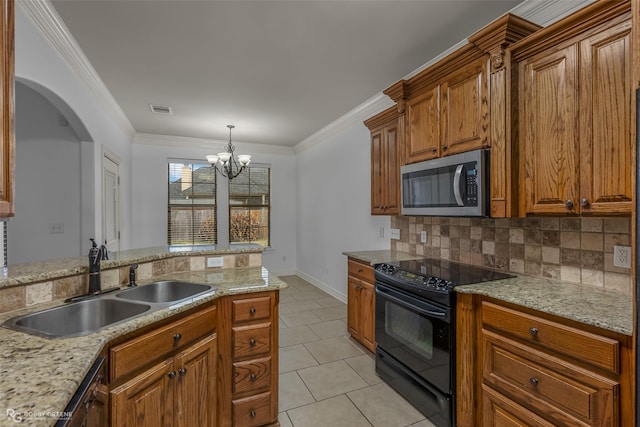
x,y
546,12
210,144
55,31
372,106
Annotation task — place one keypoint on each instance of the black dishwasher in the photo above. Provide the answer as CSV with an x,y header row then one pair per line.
x,y
76,412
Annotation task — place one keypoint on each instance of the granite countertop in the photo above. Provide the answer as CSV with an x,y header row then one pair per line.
x,y
40,375
58,268
385,255
608,310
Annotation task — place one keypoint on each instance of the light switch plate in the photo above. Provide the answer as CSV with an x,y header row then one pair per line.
x,y
423,237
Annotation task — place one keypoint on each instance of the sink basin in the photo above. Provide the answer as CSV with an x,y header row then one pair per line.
x,y
76,319
164,292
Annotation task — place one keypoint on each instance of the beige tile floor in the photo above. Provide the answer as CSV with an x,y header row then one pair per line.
x,y
326,378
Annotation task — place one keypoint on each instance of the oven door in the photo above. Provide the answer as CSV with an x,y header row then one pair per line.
x,y
416,333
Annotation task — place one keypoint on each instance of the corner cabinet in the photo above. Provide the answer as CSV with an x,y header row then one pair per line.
x,y
248,365
576,109
361,306
7,108
386,140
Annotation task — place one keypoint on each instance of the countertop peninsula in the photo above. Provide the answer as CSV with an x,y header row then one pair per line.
x,y
40,375
586,304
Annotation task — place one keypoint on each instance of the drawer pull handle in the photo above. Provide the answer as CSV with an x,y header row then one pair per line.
x,y
252,413
533,331
252,342
182,372
252,311
177,337
172,374
534,381
253,377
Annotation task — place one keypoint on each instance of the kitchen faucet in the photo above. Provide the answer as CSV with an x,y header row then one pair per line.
x,y
96,254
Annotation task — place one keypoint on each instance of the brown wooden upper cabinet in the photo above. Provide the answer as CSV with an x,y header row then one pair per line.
x,y
7,133
575,110
386,139
450,118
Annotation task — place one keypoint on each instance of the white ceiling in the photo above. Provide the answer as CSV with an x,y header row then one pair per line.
x,y
278,70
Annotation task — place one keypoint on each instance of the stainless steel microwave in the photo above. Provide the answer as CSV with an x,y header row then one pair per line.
x,y
449,186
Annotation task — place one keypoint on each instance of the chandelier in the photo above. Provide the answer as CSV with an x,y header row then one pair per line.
x,y
226,163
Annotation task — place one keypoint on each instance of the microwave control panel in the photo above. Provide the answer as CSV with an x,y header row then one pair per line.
x,y
471,187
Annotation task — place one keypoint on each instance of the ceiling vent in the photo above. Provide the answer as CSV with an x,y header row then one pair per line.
x,y
160,109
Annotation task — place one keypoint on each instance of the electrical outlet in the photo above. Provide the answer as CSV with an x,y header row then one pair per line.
x,y
56,228
215,261
622,256
423,237
395,233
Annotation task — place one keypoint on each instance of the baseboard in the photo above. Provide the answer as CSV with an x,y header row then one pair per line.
x,y
323,286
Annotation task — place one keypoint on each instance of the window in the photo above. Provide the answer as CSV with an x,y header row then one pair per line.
x,y
192,204
250,206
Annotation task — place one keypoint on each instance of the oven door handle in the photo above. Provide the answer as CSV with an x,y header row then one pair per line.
x,y
388,293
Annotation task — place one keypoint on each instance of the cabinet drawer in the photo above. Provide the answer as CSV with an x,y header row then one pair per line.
x,y
549,386
251,341
131,355
252,411
361,270
253,375
597,350
246,310
499,411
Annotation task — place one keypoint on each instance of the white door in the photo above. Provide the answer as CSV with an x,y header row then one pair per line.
x,y
110,202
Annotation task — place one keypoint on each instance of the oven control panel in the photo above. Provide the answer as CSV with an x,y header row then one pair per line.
x,y
407,277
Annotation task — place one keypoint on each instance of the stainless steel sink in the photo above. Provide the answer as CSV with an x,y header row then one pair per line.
x,y
77,319
164,292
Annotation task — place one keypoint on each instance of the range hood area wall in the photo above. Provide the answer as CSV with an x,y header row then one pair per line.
x,y
578,250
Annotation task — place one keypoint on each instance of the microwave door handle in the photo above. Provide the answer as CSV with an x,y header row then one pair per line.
x,y
456,185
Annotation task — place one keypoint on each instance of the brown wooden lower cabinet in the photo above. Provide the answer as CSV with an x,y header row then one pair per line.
x,y
536,369
361,305
179,391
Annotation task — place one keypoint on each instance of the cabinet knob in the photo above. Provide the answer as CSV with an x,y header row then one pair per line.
x,y
252,413
569,204
252,342
253,377
172,374
252,311
434,150
182,372
533,331
444,147
584,203
177,337
534,381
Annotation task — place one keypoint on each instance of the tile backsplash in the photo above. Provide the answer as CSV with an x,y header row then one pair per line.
x,y
578,250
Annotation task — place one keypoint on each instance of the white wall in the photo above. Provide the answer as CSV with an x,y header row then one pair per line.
x,y
334,208
38,62
150,177
47,182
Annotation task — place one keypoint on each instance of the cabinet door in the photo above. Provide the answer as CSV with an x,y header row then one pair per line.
x,y
354,306
464,109
605,116
377,170
146,400
196,384
549,123
7,132
423,126
367,315
498,411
